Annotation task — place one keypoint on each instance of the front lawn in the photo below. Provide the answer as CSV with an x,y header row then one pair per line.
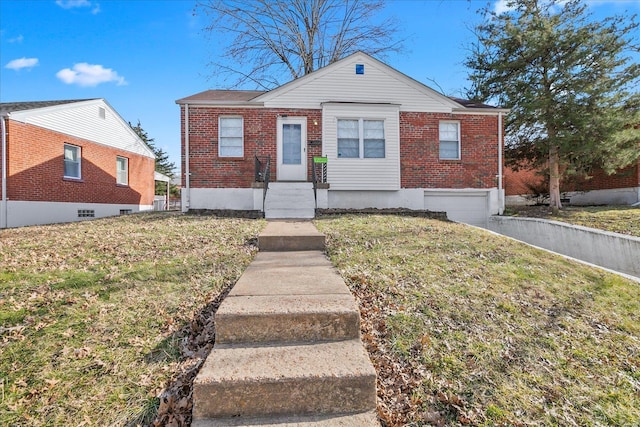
x,y
618,219
468,328
98,317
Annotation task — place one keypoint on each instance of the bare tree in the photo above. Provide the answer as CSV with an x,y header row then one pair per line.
x,y
272,39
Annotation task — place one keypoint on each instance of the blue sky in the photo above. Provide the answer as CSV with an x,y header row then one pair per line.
x,y
142,55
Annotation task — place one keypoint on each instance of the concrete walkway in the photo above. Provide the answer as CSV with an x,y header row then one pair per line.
x,y
288,349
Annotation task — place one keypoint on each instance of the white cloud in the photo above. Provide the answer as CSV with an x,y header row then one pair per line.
x,y
73,4
84,74
18,39
19,64
501,6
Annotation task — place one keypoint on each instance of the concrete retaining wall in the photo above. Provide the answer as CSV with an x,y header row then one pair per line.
x,y
610,250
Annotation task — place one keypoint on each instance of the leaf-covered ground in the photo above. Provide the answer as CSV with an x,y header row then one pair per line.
x,y
468,328
105,322
617,219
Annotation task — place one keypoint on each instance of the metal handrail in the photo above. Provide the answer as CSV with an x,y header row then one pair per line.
x,y
263,174
322,169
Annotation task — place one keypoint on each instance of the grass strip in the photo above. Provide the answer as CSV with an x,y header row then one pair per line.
x,y
468,328
95,315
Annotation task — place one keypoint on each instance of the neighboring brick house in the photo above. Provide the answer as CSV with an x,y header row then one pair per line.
x,y
388,142
64,161
621,188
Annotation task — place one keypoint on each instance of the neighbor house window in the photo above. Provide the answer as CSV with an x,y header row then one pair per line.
x,y
230,137
122,170
72,161
450,140
359,138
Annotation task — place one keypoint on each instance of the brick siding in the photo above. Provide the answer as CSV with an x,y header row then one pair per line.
x,y
420,163
516,183
36,170
210,171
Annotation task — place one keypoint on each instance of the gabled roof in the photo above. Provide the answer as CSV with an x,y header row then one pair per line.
x,y
260,98
53,115
420,87
9,107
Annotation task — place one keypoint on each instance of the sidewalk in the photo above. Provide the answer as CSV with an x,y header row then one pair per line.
x,y
288,349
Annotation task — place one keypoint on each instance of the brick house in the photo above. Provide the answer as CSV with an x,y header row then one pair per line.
x,y
64,161
620,188
355,134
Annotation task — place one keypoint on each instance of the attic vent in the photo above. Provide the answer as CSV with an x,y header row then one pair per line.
x,y
102,113
86,213
359,68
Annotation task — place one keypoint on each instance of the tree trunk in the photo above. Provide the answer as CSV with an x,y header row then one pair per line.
x,y
554,179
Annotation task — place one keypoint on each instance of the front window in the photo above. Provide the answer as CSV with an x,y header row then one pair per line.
x,y
230,138
450,140
122,170
72,161
359,138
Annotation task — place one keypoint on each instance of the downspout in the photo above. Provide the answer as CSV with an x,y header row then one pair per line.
x,y
501,197
5,163
187,174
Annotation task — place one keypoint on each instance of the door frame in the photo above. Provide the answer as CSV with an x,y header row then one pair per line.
x,y
292,172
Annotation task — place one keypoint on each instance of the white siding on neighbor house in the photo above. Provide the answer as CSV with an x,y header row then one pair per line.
x,y
26,213
83,120
362,174
339,82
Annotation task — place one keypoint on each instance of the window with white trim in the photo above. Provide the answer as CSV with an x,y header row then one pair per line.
x,y
122,170
361,138
230,137
72,161
450,140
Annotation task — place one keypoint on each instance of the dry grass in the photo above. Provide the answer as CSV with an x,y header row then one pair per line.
x,y
97,318
466,328
617,219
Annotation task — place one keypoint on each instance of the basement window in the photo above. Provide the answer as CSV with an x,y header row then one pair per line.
x,y
125,211
86,213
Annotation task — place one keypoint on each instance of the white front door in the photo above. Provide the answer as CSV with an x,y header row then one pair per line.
x,y
292,149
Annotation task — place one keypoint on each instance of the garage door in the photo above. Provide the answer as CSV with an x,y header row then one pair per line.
x,y
470,207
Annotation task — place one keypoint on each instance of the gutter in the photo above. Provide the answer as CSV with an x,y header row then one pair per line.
x,y
3,204
500,171
187,174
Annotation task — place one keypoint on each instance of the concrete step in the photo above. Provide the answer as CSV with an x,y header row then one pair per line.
x,y
288,297
287,318
314,379
290,236
287,200
364,419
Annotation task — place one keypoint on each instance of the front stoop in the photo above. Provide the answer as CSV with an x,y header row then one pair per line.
x,y
290,200
287,351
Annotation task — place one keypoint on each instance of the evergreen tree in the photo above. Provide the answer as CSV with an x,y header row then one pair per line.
x,y
569,82
163,164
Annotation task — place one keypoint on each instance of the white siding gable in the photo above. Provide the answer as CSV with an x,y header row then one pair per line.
x,y
339,82
86,120
362,174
